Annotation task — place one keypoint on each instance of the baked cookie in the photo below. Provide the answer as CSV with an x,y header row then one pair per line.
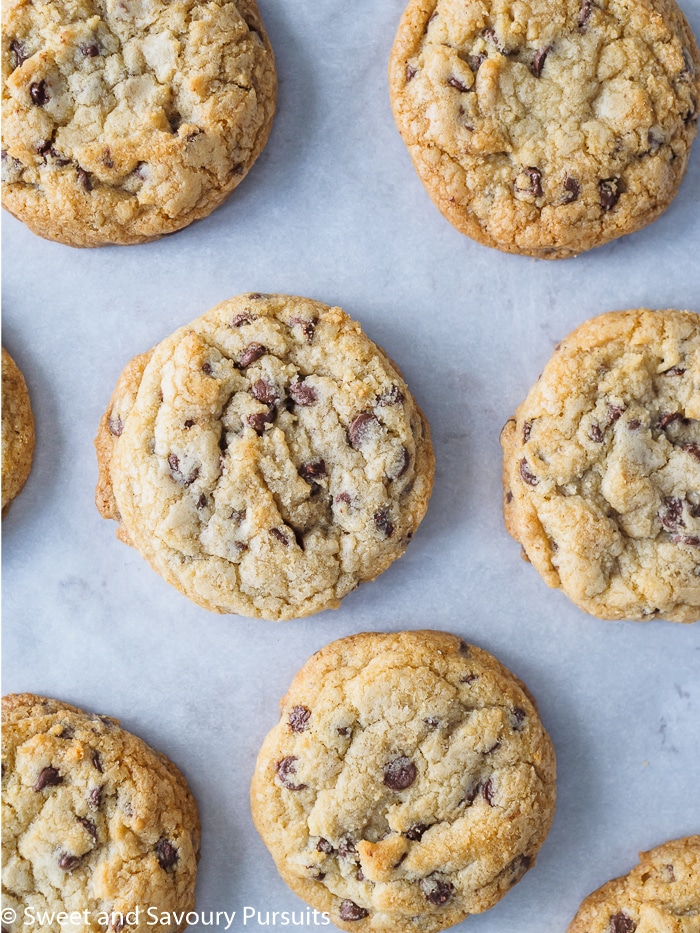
x,y
123,120
660,895
266,459
17,431
408,784
94,821
551,126
601,467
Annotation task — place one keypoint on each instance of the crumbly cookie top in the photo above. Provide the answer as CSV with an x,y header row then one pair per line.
x,y
127,119
602,467
661,894
93,819
17,430
408,784
547,128
272,460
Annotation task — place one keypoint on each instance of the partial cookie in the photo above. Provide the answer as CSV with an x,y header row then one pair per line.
x,y
266,459
547,127
17,431
125,121
408,784
94,820
601,467
660,895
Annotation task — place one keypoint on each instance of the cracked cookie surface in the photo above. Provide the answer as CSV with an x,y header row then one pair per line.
x,y
266,459
17,431
660,895
408,784
601,467
93,820
546,128
124,120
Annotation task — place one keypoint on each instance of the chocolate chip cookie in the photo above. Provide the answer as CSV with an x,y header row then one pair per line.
x,y
661,894
408,784
547,127
266,459
123,120
601,467
94,821
17,431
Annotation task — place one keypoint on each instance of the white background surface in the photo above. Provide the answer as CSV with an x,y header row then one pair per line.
x,y
334,211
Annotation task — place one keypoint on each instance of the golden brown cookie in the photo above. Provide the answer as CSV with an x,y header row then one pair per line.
x,y
17,431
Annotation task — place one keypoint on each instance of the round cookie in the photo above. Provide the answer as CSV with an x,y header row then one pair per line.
x,y
123,121
661,894
94,820
408,784
266,459
601,467
17,431
548,127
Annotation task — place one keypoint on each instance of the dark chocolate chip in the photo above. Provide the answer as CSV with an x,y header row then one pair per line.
x,y
264,392
400,465
415,832
97,762
526,473
436,892
468,679
190,424
95,797
343,730
84,180
285,767
166,853
323,845
115,426
360,427
572,188
349,910
19,52
68,862
476,61
48,777
400,773
299,718
202,501
259,419
346,847
90,51
671,516
39,93
692,449
67,732
595,434
534,181
453,82
313,471
177,474
669,417
519,867
241,319
207,369
251,353
539,59
621,923
280,535
303,394
307,327
89,826
609,190
383,522
527,428
687,540
615,412
487,792
410,73
584,13
392,396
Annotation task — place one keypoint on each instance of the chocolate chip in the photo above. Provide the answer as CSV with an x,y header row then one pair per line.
x,y
241,319
572,188
59,159
251,353
308,327
493,748
89,826
39,93
621,923
383,522
190,424
533,184
207,369
609,190
285,767
527,428
584,12
539,60
453,82
264,392
259,419
280,535
399,773
526,473
303,394
410,73
90,51
432,722
343,497
360,875
343,730
464,649
84,180
415,832
468,679
115,426
487,792
323,845
490,34
68,862
19,52
392,396
177,474
509,497
360,428
237,515
349,910
476,61
518,868
436,892
400,465
96,761
615,412
202,501
669,417
346,847
692,449
634,425
313,471
48,777
674,371
671,516
687,540
517,718
299,718
166,853
595,434
95,797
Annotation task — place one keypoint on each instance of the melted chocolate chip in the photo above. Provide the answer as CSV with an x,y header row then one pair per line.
x,y
692,449
68,862
307,327
285,768
415,832
671,515
299,718
595,434
526,473
360,428
572,188
264,392
487,792
323,845
399,773
539,59
383,522
89,826
303,394
609,190
453,82
48,777
349,910
115,426
97,762
436,892
584,13
534,181
19,52
95,797
313,471
621,923
259,419
166,853
251,353
39,93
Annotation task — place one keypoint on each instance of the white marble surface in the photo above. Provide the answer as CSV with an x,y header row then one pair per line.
x,y
333,210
